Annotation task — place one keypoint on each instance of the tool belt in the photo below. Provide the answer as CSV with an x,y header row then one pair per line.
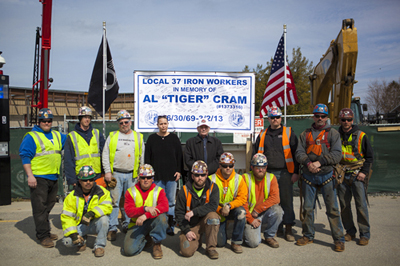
x,y
340,170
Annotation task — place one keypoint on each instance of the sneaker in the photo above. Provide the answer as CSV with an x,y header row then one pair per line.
x,y
112,235
272,242
236,248
157,252
348,237
47,243
304,241
81,248
53,236
212,254
99,252
339,246
363,241
288,233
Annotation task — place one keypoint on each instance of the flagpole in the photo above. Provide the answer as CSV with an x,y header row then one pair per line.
x,y
284,69
104,77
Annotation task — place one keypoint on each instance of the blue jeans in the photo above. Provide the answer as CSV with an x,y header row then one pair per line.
x,y
135,237
345,192
238,215
97,226
271,218
285,194
124,181
170,191
331,203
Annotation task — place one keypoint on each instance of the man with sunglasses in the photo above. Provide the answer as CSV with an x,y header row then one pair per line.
x,y
318,151
357,156
279,143
195,212
84,146
146,204
232,197
86,211
40,152
123,153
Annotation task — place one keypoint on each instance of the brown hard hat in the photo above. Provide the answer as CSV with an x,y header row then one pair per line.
x,y
346,113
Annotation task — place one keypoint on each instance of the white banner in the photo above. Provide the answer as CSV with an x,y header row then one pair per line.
x,y
224,99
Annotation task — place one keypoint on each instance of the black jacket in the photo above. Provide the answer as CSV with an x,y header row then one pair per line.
x,y
198,205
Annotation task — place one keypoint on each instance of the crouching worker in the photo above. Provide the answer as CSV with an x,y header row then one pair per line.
x,y
195,212
146,204
263,204
86,211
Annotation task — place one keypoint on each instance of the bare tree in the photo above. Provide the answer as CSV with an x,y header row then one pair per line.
x,y
382,96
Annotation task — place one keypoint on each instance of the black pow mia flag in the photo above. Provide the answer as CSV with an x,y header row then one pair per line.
x,y
95,97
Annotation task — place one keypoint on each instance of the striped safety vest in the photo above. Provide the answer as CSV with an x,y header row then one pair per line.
x,y
250,181
86,154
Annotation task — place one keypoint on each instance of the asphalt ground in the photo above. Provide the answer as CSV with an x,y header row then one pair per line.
x,y
18,245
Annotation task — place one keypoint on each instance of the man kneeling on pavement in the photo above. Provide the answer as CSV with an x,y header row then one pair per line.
x,y
146,204
86,210
195,212
262,207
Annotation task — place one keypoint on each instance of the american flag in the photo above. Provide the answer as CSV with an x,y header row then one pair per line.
x,y
274,92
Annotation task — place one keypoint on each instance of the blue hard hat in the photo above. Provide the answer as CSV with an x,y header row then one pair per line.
x,y
45,113
321,108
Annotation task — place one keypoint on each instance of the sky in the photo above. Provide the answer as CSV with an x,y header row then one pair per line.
x,y
194,35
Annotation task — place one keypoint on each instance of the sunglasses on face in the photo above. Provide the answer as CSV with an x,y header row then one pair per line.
x,y
275,117
227,165
347,119
88,180
197,175
320,116
46,121
144,177
124,122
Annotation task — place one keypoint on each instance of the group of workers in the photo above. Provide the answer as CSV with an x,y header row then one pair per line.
x,y
213,194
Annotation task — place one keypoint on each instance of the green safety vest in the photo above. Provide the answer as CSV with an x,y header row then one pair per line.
x,y
250,181
86,154
138,150
47,160
352,148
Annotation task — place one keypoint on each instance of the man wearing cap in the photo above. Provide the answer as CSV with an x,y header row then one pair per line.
x,y
195,212
146,205
40,152
232,197
203,147
84,146
122,155
262,207
318,151
86,211
357,156
279,143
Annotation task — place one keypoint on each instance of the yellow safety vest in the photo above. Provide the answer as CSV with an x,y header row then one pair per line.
x,y
47,160
86,154
138,150
151,200
250,181
352,150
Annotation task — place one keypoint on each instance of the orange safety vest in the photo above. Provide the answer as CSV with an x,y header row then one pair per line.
x,y
189,196
286,132
314,146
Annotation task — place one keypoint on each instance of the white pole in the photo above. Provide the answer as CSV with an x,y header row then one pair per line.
x,y
104,77
284,49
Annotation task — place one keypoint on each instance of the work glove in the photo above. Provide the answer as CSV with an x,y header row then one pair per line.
x,y
225,210
112,183
87,218
77,240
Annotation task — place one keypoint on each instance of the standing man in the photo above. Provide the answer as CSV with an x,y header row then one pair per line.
x,y
318,151
262,206
358,155
146,205
196,207
232,197
203,147
40,152
122,155
84,146
164,153
86,211
279,143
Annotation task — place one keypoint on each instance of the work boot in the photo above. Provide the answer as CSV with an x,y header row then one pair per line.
x,y
349,237
304,241
288,233
236,248
81,248
157,252
363,241
272,242
99,252
212,254
339,246
53,236
47,243
112,235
